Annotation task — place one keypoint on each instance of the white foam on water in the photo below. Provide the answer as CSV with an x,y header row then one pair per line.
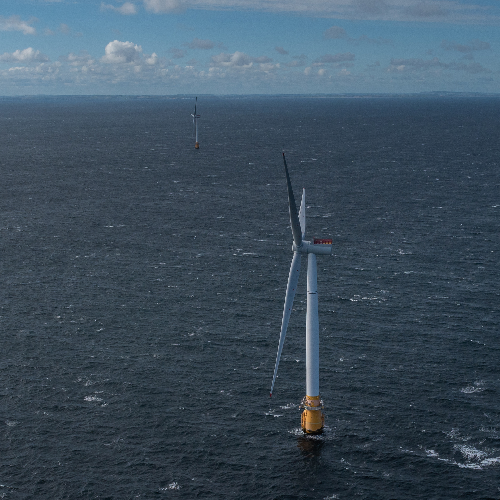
x,y
490,461
358,298
469,452
289,406
326,435
477,387
455,435
466,466
473,458
93,399
272,414
491,431
172,486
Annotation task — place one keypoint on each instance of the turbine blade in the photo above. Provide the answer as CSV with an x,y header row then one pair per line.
x,y
294,218
293,279
302,214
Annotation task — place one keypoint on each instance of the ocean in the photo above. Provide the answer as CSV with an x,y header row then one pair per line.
x,y
143,284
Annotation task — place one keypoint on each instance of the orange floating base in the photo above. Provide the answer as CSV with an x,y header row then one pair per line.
x,y
312,419
196,145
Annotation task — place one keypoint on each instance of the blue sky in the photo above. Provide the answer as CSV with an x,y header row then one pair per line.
x,y
248,46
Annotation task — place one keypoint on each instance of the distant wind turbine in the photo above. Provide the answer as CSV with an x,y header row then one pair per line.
x,y
312,417
195,121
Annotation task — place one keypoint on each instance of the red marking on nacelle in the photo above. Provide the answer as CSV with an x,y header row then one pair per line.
x,y
322,241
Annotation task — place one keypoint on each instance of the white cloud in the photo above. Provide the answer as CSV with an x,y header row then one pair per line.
x,y
82,59
127,9
27,55
415,64
44,72
434,64
449,11
122,53
15,23
163,6
152,60
281,51
235,60
241,61
267,67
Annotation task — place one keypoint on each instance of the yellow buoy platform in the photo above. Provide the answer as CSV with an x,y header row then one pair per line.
x,y
196,145
312,419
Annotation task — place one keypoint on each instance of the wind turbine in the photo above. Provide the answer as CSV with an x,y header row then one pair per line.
x,y
195,118
312,419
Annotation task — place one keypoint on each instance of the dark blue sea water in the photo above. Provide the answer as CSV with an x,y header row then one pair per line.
x,y
142,289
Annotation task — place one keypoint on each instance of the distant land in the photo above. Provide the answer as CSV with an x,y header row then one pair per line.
x,y
433,94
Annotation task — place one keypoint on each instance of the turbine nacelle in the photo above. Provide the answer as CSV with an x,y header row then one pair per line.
x,y
316,248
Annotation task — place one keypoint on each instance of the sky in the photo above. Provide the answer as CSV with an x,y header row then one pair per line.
x,y
170,47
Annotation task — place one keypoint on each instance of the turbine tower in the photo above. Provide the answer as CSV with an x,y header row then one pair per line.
x,y
195,121
312,420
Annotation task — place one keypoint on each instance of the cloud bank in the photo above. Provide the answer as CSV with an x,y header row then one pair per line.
x,y
26,56
15,23
448,11
126,9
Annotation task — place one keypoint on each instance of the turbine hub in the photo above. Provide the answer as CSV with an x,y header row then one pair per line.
x,y
316,248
